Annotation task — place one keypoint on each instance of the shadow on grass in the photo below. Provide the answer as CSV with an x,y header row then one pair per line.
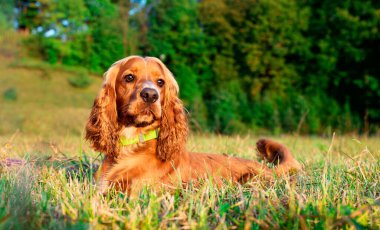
x,y
81,167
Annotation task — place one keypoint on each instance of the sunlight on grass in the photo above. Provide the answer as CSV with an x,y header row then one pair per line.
x,y
53,187
45,103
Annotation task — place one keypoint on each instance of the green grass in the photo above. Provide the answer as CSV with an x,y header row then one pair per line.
x,y
53,189
42,121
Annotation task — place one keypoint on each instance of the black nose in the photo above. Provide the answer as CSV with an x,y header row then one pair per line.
x,y
149,95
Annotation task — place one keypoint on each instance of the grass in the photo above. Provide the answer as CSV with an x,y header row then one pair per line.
x,y
46,170
44,106
53,188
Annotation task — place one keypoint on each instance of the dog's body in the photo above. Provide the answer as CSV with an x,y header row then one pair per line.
x,y
139,98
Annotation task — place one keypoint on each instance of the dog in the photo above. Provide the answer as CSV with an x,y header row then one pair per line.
x,y
139,123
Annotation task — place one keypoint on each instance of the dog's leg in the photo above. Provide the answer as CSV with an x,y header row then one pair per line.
x,y
101,175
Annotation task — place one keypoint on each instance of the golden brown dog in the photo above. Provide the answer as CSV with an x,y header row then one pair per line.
x,y
140,125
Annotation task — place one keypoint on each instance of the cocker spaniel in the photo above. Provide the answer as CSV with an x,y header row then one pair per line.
x,y
139,123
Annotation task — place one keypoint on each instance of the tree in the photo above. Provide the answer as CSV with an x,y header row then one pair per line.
x,y
58,30
252,42
175,36
106,39
342,62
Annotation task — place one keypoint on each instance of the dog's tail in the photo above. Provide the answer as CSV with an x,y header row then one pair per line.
x,y
279,155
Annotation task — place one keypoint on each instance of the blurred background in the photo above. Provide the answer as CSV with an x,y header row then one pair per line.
x,y
243,66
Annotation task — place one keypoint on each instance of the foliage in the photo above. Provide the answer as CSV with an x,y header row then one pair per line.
x,y
251,41
267,66
341,59
175,36
10,94
6,15
81,80
106,39
74,33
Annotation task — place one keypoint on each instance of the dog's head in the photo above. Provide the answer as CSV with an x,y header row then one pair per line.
x,y
142,93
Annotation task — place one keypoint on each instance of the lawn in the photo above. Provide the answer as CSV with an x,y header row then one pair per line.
x,y
52,188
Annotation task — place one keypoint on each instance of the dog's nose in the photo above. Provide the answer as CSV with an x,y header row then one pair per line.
x,y
149,95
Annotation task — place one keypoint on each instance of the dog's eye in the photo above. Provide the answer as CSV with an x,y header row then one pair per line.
x,y
129,77
160,82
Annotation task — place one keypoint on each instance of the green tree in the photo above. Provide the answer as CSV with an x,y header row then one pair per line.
x,y
7,16
342,61
106,39
59,30
225,97
28,17
252,44
175,36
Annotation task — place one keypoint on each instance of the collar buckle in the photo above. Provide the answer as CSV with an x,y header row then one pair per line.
x,y
141,138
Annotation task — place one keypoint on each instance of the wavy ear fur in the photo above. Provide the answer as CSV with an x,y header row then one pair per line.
x,y
174,128
102,126
173,131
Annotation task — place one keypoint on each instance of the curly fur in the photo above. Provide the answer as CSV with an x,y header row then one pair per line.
x,y
102,125
173,133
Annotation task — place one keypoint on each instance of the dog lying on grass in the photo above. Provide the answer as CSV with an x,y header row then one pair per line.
x,y
139,123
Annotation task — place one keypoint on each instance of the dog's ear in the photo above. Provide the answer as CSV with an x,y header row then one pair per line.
x,y
173,131
102,126
174,128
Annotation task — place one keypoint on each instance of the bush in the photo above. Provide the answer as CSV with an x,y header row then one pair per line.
x,y
10,94
81,80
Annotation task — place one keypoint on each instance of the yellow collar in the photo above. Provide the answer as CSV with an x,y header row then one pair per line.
x,y
141,138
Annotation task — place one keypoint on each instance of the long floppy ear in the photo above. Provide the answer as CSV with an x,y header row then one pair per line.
x,y
174,128
102,126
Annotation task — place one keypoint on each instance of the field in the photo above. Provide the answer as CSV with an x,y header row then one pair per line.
x,y
46,171
53,189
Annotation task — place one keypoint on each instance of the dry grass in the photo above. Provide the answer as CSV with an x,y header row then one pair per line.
x,y
44,106
53,189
